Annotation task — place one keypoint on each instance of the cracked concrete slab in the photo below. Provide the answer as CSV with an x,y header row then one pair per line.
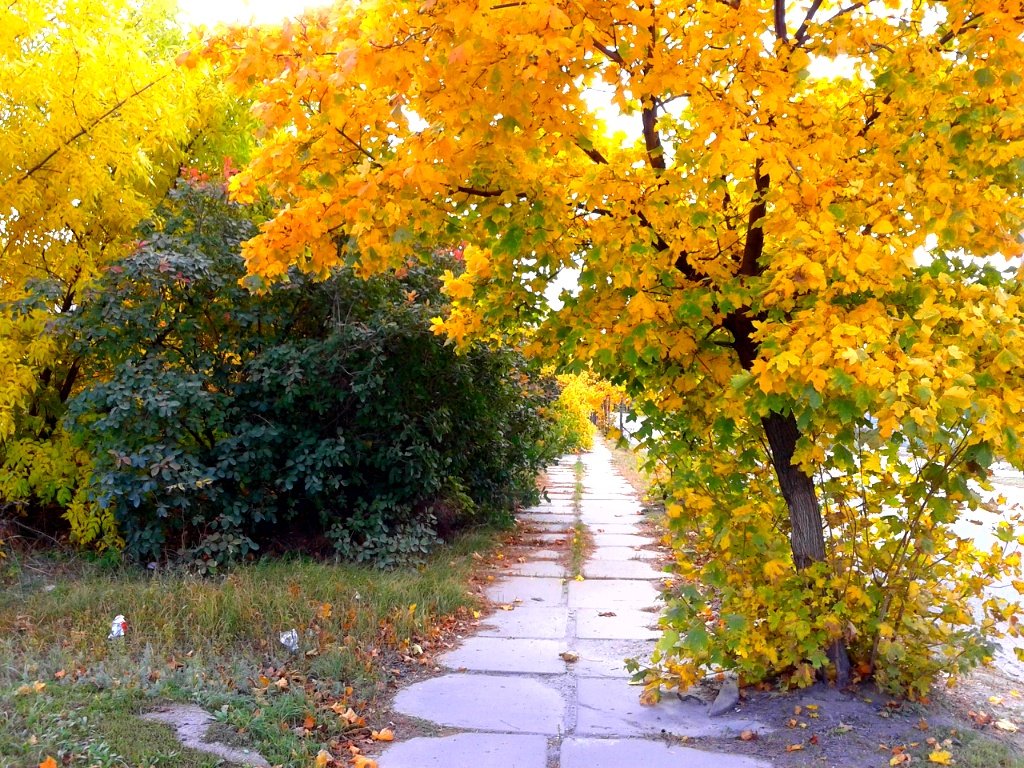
x,y
616,623
616,753
611,707
501,703
527,621
507,654
621,569
469,750
526,589
603,593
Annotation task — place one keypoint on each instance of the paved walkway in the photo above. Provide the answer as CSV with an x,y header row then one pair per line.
x,y
517,701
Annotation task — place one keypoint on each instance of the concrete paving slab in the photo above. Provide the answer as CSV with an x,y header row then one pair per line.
x,y
469,750
530,553
606,658
548,538
540,568
548,517
632,528
527,620
622,540
616,753
485,703
611,707
617,624
622,553
526,589
621,569
529,528
605,593
504,654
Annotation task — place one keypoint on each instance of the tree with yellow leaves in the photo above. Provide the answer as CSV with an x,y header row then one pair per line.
x,y
774,213
95,121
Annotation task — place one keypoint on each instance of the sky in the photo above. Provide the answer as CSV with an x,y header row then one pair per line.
x,y
212,12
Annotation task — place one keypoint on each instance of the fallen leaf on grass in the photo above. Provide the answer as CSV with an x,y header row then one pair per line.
x,y
1005,725
36,687
49,762
322,758
940,757
384,734
362,761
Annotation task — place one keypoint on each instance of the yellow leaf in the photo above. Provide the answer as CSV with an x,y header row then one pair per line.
x,y
362,761
1005,725
322,758
940,757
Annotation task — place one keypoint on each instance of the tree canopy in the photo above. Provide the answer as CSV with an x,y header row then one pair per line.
x,y
769,215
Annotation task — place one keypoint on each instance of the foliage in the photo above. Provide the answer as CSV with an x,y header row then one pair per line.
x,y
224,418
95,120
766,210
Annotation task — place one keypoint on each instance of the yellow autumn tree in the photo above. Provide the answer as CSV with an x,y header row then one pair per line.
x,y
95,120
783,225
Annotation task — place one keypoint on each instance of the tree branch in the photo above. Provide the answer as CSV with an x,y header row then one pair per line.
x,y
801,33
86,129
780,19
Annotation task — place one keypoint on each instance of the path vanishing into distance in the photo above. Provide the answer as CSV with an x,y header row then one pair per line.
x,y
512,696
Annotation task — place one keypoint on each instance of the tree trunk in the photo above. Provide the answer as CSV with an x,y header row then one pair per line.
x,y
807,538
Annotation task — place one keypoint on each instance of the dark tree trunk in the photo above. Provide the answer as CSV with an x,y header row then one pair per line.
x,y
807,539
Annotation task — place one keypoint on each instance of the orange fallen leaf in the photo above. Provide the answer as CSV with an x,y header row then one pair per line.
x,y
309,723
940,757
748,735
794,747
362,761
384,734
922,725
322,758
49,762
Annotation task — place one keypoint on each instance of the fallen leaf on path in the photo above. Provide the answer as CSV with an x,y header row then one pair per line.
x,y
362,761
570,656
843,728
748,736
940,757
606,613
922,725
794,747
1006,725
901,759
384,734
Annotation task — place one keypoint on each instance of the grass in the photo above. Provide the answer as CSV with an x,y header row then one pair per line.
x,y
213,642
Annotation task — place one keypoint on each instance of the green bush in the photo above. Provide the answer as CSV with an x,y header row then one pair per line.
x,y
224,420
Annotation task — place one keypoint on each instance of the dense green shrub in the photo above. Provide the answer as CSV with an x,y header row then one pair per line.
x,y
224,419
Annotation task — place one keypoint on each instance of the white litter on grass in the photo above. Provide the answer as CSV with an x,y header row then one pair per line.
x,y
117,627
290,640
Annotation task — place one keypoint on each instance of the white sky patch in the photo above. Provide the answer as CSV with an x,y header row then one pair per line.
x,y
212,12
